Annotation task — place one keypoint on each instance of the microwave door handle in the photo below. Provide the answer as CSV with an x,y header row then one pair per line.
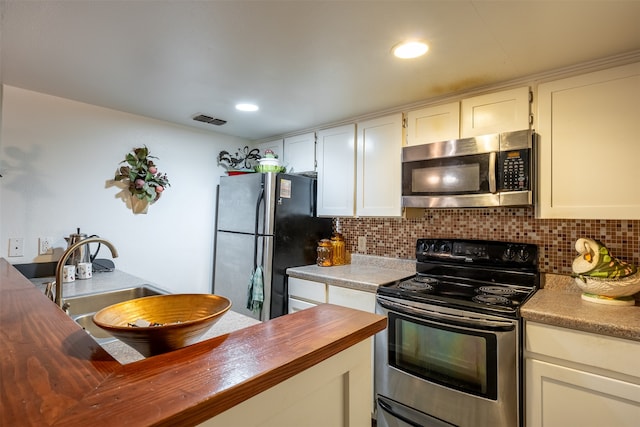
x,y
477,324
492,172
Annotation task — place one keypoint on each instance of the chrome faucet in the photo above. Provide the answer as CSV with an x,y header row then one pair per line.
x,y
67,254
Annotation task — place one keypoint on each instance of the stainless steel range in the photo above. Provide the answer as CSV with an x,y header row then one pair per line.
x,y
452,352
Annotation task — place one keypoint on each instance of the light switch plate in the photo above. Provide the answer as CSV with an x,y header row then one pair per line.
x,y
16,246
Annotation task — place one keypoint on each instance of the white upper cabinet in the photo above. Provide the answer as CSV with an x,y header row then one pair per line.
x,y
277,146
299,153
336,157
433,124
503,111
589,148
378,167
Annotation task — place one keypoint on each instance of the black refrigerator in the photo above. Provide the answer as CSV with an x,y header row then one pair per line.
x,y
264,220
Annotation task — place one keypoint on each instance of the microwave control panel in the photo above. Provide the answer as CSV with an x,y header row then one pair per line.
x,y
514,170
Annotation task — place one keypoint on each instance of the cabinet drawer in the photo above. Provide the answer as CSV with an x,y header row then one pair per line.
x,y
595,350
307,290
299,305
359,300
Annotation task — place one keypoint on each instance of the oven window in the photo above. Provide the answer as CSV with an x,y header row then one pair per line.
x,y
457,358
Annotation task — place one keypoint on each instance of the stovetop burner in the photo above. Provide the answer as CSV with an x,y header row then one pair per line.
x,y
424,279
496,290
415,285
482,276
491,299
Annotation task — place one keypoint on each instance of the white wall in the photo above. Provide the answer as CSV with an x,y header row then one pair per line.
x,y
58,158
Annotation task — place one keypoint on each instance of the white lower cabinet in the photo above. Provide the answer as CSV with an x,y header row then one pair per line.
x,y
575,378
308,293
305,294
331,393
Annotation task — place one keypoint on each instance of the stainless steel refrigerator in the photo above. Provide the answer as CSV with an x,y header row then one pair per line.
x,y
264,220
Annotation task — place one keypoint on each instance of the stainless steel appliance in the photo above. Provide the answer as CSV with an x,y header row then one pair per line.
x,y
264,220
83,253
452,352
484,171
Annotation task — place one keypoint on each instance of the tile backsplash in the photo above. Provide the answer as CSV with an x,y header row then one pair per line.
x,y
396,237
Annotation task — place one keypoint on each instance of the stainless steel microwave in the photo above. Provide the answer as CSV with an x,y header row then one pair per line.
x,y
483,171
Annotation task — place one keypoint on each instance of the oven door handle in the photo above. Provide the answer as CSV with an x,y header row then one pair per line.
x,y
409,416
450,319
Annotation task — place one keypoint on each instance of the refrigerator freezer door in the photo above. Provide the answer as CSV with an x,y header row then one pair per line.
x,y
234,266
238,197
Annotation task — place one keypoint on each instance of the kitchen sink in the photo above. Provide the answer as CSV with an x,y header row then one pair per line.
x,y
81,308
98,334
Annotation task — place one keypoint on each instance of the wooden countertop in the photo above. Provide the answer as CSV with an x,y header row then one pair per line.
x,y
53,373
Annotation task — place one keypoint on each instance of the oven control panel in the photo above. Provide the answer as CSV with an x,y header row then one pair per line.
x,y
477,251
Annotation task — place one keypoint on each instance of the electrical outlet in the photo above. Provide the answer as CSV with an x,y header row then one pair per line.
x,y
16,246
362,244
46,246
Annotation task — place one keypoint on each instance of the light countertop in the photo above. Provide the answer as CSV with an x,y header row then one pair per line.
x,y
364,273
559,304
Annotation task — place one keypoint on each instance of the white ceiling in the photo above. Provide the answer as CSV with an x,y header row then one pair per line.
x,y
306,63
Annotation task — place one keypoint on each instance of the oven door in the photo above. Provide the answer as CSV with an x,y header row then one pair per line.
x,y
450,365
457,173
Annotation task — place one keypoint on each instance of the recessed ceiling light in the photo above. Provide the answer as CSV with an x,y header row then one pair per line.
x,y
247,107
411,49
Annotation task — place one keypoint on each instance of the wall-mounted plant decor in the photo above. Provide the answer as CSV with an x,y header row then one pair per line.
x,y
141,175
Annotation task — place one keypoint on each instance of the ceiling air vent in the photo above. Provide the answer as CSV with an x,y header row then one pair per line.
x,y
208,119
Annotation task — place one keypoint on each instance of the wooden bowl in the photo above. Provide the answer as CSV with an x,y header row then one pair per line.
x,y
183,318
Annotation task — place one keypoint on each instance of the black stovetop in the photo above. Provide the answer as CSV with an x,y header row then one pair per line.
x,y
477,275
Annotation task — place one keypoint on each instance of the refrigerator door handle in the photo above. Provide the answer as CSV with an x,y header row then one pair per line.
x,y
255,232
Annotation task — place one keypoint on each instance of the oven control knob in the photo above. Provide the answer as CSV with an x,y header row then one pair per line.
x,y
445,248
509,253
523,254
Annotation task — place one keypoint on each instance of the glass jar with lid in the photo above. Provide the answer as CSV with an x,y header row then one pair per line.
x,y
339,256
325,253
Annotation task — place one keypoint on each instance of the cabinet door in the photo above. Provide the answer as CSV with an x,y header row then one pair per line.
x,y
561,396
433,124
589,150
502,111
378,167
277,146
300,153
336,155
